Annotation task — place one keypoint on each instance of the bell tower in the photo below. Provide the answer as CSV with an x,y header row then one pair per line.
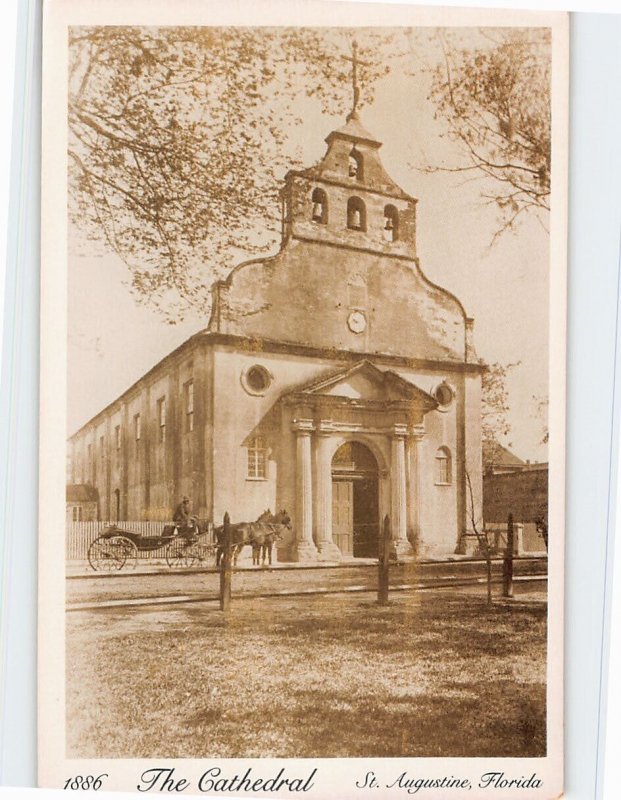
x,y
349,199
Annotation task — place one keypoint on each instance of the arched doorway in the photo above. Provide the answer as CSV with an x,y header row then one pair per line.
x,y
355,501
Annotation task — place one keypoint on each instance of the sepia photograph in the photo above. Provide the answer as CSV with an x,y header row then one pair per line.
x,y
308,339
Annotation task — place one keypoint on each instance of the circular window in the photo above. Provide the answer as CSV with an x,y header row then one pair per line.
x,y
256,380
444,395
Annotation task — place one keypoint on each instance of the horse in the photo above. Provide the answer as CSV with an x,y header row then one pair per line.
x,y
541,526
265,536
260,534
241,535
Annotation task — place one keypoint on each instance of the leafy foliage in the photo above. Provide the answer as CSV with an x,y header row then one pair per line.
x,y
541,414
496,101
177,141
495,401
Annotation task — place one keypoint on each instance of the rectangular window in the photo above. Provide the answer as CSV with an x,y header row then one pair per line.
x,y
189,406
102,449
137,427
89,463
76,514
257,458
161,419
117,437
443,466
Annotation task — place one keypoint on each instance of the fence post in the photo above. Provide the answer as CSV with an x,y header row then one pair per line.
x,y
507,564
383,563
225,566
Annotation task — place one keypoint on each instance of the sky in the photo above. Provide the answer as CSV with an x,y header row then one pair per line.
x,y
113,340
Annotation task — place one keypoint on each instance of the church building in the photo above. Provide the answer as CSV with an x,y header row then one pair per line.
x,y
334,380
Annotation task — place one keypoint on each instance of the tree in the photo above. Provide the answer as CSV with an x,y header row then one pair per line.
x,y
541,414
496,102
482,538
177,142
495,401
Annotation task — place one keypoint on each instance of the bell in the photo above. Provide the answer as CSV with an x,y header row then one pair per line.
x,y
353,170
390,225
318,211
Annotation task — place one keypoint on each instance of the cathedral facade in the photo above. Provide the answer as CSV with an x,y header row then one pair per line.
x,y
334,380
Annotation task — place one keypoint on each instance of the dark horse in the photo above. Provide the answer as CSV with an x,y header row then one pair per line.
x,y
260,534
268,534
541,524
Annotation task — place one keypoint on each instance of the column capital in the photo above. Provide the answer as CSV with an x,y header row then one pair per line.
x,y
303,427
399,431
325,427
417,432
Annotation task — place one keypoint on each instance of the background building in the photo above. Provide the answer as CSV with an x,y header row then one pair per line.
x,y
513,486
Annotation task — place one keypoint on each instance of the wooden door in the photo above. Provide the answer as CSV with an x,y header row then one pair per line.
x,y
343,516
366,518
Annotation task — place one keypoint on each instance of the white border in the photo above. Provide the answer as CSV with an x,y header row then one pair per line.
x,y
592,36
334,777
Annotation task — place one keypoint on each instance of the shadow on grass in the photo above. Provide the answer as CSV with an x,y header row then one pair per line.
x,y
485,721
440,675
455,627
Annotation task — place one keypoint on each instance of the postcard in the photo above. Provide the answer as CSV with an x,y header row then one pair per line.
x,y
303,399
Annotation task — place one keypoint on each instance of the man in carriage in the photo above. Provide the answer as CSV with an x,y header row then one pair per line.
x,y
184,521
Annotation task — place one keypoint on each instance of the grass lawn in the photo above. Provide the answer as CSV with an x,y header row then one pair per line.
x,y
433,674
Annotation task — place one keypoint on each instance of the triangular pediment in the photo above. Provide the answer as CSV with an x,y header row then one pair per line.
x,y
366,382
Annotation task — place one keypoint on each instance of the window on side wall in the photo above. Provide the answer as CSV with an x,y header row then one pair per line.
x,y
257,458
161,419
443,466
189,406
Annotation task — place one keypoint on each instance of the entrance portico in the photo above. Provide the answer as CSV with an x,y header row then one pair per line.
x,y
376,418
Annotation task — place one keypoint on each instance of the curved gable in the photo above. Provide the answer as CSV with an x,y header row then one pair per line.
x,y
347,276
308,292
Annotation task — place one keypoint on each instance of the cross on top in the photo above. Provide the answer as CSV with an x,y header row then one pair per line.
x,y
355,63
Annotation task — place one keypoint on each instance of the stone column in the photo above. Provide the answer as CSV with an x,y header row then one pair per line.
x,y
398,519
414,496
304,549
328,551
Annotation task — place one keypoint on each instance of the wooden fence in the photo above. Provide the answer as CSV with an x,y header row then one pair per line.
x,y
79,536
527,540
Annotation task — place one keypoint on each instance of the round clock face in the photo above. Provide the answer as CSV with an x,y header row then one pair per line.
x,y
356,322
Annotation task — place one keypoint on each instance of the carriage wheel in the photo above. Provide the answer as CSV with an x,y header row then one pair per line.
x,y
112,553
179,554
131,552
206,554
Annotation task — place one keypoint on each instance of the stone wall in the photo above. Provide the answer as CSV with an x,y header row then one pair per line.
x,y
523,494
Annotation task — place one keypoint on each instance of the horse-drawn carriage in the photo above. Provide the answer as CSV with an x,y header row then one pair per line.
x,y
116,548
